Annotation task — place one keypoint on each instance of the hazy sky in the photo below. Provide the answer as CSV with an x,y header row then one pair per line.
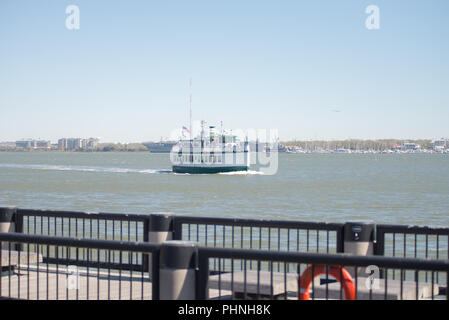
x,y
310,69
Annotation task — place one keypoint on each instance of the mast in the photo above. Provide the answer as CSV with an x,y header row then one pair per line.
x,y
191,141
190,109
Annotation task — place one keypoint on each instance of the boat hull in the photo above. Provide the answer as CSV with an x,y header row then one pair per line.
x,y
207,170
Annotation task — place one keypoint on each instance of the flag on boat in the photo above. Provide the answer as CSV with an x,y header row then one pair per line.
x,y
184,131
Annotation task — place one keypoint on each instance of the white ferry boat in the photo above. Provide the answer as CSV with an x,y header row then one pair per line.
x,y
160,147
210,153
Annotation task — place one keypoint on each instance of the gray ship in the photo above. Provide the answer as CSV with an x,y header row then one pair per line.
x,y
160,147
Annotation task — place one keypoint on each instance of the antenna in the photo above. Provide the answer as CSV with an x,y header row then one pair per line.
x,y
190,109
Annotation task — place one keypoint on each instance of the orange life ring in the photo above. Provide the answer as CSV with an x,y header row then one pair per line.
x,y
339,273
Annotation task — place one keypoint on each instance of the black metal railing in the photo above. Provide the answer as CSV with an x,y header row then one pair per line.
x,y
412,241
298,236
215,232
95,225
207,231
85,225
264,282
27,274
291,236
260,234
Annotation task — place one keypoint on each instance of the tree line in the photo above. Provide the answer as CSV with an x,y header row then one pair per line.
x,y
354,144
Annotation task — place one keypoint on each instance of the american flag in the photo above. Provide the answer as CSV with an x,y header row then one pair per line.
x,y
185,131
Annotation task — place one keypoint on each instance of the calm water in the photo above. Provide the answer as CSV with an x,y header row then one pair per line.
x,y
403,189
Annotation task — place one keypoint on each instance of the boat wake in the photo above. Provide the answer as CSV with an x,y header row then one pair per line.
x,y
83,168
242,173
109,169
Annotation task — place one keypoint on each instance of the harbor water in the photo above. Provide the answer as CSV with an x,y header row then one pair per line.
x,y
386,188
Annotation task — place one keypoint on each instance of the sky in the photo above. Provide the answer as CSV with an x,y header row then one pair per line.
x,y
310,69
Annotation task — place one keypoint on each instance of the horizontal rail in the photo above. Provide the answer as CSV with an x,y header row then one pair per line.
x,y
387,228
83,215
284,224
289,235
132,246
96,264
319,258
235,253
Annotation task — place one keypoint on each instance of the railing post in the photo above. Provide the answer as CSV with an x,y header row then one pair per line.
x,y
379,247
359,239
339,239
177,229
178,263
7,221
160,230
155,283
202,283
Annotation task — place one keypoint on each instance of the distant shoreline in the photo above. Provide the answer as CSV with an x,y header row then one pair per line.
x,y
322,152
76,151
379,146
102,147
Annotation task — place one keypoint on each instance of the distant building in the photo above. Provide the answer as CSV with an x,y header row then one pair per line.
x,y
75,143
24,144
42,144
62,144
440,144
7,144
93,142
33,144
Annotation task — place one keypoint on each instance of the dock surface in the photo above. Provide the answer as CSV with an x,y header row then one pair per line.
x,y
277,284
13,258
42,282
53,283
